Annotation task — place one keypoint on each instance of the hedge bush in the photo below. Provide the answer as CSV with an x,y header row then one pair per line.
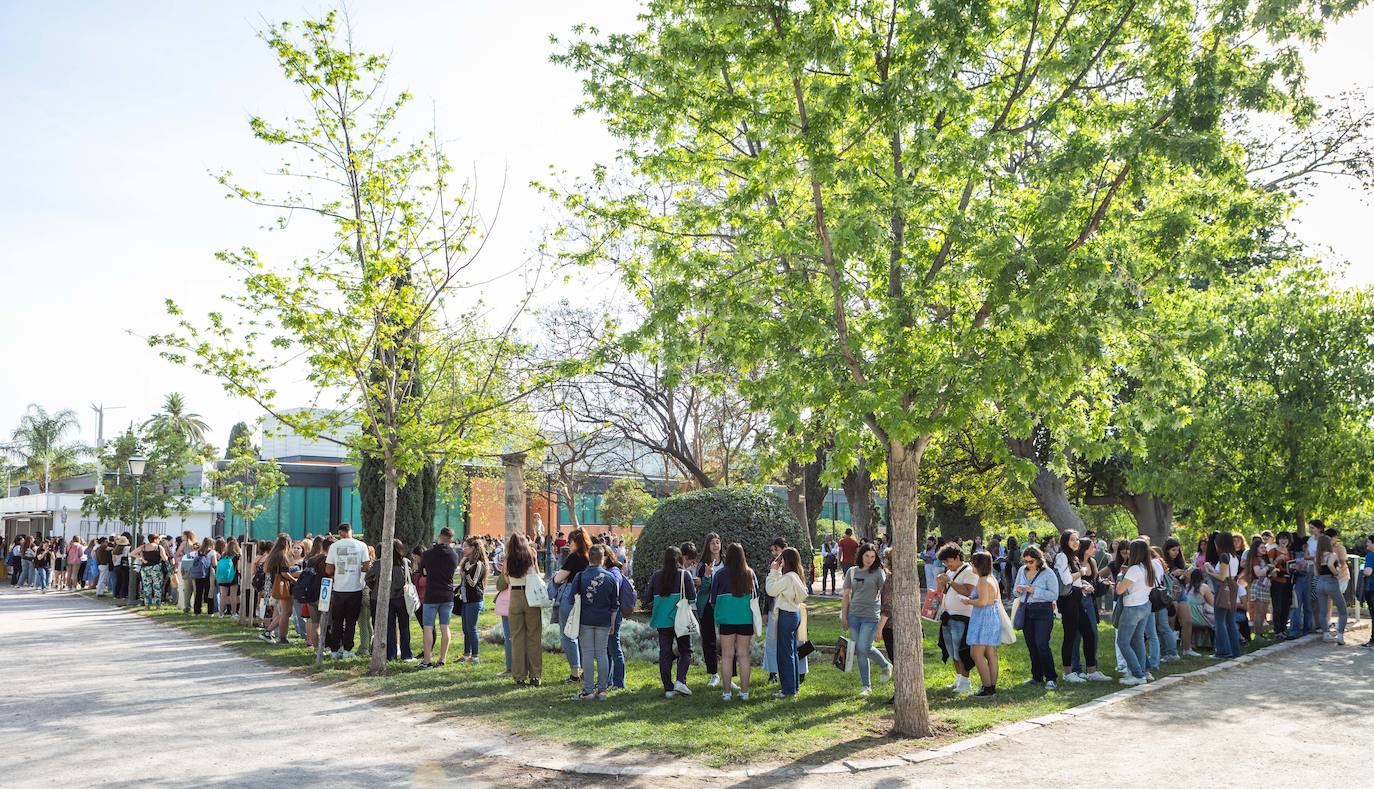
x,y
750,517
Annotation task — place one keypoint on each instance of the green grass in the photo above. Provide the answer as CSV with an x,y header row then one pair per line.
x,y
827,721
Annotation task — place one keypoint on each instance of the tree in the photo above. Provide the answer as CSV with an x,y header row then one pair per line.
x,y
239,432
626,501
369,315
246,483
936,198
174,418
161,491
41,445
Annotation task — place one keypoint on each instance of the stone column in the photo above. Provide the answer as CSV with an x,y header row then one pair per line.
x,y
515,493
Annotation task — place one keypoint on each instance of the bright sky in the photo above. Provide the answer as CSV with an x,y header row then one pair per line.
x,y
114,113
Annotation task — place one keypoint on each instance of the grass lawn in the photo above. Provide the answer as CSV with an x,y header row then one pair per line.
x,y
827,721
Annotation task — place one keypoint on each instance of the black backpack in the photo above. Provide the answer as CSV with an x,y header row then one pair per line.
x,y
259,579
307,586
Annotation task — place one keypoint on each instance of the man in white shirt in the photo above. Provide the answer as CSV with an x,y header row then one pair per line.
x,y
954,613
346,562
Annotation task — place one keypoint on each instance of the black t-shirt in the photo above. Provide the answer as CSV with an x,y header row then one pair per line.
x,y
439,563
574,564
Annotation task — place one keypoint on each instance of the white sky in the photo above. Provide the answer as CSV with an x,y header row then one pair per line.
x,y
114,113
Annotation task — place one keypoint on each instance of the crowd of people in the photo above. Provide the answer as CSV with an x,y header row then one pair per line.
x,y
1161,601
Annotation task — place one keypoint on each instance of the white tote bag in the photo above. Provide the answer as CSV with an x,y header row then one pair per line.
x,y
536,593
1008,631
758,615
573,627
411,594
685,621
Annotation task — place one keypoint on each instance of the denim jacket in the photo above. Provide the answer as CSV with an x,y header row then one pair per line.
x,y
1041,590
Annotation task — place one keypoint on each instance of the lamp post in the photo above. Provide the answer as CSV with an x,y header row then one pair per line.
x,y
550,465
137,465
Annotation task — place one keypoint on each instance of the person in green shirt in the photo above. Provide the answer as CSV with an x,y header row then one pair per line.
x,y
734,592
666,586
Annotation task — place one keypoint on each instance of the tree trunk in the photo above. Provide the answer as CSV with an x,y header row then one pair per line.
x,y
515,493
1154,517
858,491
1048,490
911,710
384,555
572,508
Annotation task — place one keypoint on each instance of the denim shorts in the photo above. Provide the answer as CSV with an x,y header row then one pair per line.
x,y
428,610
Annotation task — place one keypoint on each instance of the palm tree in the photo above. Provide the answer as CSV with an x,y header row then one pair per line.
x,y
40,442
174,418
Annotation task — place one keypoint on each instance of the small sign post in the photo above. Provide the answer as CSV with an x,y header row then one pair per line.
x,y
326,586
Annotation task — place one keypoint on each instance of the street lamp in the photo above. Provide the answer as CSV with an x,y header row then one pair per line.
x,y
550,466
137,465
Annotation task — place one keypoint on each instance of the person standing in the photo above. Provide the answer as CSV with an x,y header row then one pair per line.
x,y
666,587
42,558
830,564
75,550
1038,593
122,559
711,559
186,551
203,560
860,612
1329,591
599,594
346,562
104,560
626,595
956,585
788,590
520,568
1134,588
1367,578
1223,572
735,589
439,564
984,624
848,548
1079,628
574,563
472,587
153,555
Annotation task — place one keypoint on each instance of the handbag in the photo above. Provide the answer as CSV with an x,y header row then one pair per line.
x,y
412,596
1018,614
1008,632
573,626
931,608
502,603
844,655
536,592
685,620
1226,594
758,616
804,649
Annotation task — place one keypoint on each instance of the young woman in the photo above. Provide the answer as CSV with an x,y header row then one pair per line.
x,y
1280,582
575,563
277,566
1134,589
1179,571
1194,608
152,555
1222,567
734,587
1161,642
711,560
599,594
1038,593
42,561
626,591
1257,573
202,568
75,551
666,586
1329,590
860,611
788,591
985,624
227,578
1079,629
397,614
526,621
472,573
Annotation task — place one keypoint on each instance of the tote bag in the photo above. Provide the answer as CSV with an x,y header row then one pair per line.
x,y
685,620
502,603
1008,632
573,626
536,593
758,615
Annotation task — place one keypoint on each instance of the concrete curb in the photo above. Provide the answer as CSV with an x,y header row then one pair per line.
x,y
510,751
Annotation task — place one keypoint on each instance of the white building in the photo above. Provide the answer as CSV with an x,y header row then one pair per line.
x,y
58,513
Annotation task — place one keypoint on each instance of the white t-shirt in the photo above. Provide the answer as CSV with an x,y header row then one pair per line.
x,y
1139,591
347,556
954,605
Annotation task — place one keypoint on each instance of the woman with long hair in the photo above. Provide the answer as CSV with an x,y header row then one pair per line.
x,y
860,610
984,623
1257,572
397,614
566,577
788,589
1037,593
227,578
711,561
472,572
625,590
1329,590
1134,588
735,589
666,586
277,567
1281,582
518,567
1080,630
1223,567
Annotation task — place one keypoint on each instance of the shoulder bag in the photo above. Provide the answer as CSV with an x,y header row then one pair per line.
x,y
536,592
412,595
685,620
573,627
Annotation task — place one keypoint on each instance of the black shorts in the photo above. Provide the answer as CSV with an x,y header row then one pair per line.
x,y
737,630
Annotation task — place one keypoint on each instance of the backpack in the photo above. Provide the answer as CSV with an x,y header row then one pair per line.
x,y
1060,588
224,571
200,567
259,579
307,586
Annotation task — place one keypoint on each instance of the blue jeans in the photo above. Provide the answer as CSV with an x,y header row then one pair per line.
x,y
505,638
470,642
591,639
1036,630
788,622
1302,617
1329,590
1130,637
1168,639
617,655
864,630
1227,633
26,574
40,578
570,648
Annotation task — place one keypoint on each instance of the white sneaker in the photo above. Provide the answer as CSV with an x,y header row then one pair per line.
x,y
681,687
335,655
865,691
886,676
1096,676
963,685
727,697
743,696
1149,677
347,654
714,681
1129,680
1190,653
1074,678
668,694
1340,639
1051,686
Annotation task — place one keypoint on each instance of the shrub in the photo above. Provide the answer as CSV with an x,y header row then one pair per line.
x,y
750,517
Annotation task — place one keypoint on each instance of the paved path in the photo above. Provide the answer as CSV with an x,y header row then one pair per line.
x,y
87,681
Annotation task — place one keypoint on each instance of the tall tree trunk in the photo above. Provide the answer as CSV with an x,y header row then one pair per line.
x,y
911,710
515,493
1154,517
572,508
384,555
858,491
1047,487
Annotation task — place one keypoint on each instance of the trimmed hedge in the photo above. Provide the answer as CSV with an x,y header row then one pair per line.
x,y
750,517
